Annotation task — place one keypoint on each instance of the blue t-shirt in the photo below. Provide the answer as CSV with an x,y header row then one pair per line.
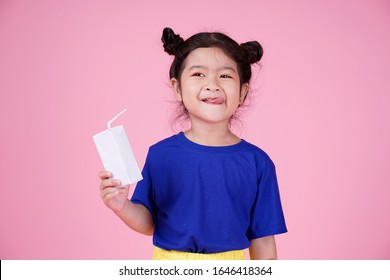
x,y
209,199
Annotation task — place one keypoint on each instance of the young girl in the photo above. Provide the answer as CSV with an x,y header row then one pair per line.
x,y
205,193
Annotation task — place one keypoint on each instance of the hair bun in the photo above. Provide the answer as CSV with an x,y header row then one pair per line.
x,y
171,41
254,51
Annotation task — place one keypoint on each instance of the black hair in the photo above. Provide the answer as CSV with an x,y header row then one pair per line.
x,y
244,54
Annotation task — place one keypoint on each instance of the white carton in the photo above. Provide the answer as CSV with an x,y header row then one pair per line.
x,y
116,153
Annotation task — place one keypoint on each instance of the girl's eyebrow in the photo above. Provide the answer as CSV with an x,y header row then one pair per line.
x,y
197,67
229,68
204,67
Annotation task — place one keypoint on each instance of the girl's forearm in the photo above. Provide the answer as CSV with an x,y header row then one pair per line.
x,y
137,217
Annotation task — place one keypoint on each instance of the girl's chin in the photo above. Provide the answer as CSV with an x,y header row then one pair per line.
x,y
211,119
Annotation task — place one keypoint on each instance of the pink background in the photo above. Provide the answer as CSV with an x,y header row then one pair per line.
x,y
321,111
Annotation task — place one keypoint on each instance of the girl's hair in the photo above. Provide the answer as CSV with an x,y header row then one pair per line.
x,y
243,54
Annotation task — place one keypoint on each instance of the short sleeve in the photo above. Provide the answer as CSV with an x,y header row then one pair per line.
x,y
267,216
143,193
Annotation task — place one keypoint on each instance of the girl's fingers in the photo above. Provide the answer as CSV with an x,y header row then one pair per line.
x,y
107,191
110,195
110,189
104,174
109,183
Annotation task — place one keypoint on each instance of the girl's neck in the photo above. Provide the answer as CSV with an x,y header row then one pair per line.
x,y
216,135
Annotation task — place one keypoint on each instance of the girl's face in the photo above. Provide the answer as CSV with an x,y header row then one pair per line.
x,y
209,86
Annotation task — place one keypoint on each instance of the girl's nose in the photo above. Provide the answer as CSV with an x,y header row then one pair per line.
x,y
209,88
212,86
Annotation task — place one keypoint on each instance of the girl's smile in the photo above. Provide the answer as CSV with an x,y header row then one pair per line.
x,y
214,100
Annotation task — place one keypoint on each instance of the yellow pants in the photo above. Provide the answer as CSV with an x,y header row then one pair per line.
x,y
161,254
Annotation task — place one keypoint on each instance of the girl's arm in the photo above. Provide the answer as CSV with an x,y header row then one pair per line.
x,y
136,216
263,248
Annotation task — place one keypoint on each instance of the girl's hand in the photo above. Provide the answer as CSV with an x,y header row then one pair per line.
x,y
112,193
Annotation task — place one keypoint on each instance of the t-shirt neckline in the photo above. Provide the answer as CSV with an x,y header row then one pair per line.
x,y
210,149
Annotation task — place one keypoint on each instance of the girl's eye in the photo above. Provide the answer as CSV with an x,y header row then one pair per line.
x,y
225,76
198,75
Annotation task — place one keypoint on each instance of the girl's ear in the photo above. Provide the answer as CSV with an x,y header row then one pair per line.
x,y
244,92
176,89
